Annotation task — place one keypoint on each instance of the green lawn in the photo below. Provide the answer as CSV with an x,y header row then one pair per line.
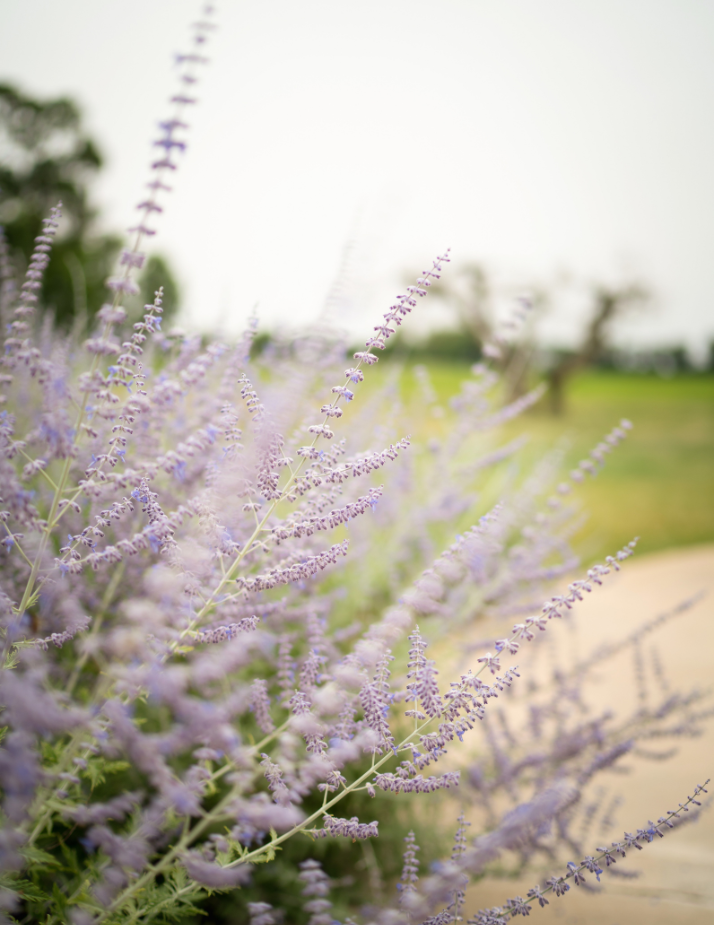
x,y
658,484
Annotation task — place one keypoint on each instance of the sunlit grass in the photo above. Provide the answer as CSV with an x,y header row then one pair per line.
x,y
659,484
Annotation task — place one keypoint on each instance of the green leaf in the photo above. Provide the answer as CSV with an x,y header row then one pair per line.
x,y
98,769
60,806
266,857
12,657
39,859
25,889
172,900
59,898
114,767
71,861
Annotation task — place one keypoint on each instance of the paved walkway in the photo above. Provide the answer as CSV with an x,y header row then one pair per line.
x,y
676,884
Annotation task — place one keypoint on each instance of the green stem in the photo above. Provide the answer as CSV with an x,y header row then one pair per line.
x,y
230,573
69,752
53,517
217,812
15,543
40,471
103,607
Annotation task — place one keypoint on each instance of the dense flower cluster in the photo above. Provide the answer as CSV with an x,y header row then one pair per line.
x,y
192,674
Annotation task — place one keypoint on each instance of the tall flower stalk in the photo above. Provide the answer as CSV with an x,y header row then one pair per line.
x,y
215,621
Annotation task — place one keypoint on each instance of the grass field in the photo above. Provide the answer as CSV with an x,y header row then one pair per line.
x,y
658,485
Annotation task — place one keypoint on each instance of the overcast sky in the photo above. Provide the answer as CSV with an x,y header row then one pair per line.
x,y
543,138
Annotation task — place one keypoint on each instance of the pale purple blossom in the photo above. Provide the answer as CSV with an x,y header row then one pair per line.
x,y
162,496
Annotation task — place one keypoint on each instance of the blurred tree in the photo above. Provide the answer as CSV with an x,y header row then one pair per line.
x,y
471,292
607,304
45,157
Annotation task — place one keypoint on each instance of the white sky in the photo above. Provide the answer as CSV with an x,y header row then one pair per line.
x,y
536,136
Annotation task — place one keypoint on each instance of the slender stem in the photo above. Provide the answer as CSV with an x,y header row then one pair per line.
x,y
216,813
40,471
53,517
506,913
103,607
15,543
248,547
69,752
68,755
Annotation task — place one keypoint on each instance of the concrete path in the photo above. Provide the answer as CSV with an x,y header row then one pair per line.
x,y
676,883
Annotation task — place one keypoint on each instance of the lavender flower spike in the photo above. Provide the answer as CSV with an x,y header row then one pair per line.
x,y
193,676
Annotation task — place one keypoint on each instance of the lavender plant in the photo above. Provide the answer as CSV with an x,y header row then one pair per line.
x,y
215,621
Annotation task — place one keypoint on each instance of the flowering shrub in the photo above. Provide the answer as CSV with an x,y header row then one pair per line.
x,y
206,594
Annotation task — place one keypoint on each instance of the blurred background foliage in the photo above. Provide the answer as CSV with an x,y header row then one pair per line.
x,y
661,482
658,485
46,156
